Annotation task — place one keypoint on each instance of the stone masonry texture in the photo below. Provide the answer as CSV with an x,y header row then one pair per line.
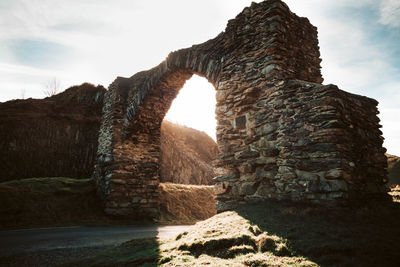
x,y
280,132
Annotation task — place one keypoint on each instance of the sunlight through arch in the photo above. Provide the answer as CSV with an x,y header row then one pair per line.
x,y
195,106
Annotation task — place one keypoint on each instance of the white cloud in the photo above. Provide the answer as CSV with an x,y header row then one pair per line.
x,y
355,58
110,39
390,12
122,37
391,129
20,69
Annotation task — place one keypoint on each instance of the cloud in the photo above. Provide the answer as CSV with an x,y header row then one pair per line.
x,y
21,69
20,77
391,128
390,13
105,39
39,53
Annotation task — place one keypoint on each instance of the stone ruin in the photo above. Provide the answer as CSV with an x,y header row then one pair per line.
x,y
281,133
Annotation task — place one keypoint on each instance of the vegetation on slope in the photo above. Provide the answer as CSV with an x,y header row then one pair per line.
x,y
55,136
186,155
393,169
186,204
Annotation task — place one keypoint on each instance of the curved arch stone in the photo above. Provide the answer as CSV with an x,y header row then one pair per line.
x,y
278,128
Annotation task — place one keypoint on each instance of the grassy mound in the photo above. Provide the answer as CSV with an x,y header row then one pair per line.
x,y
226,239
185,204
267,234
276,234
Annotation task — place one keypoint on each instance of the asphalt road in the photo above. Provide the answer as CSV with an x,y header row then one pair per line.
x,y
44,239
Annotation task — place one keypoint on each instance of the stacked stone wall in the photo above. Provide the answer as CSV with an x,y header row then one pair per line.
x,y
309,144
280,132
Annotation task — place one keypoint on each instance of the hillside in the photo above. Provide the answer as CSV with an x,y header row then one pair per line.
x,y
186,155
393,169
58,135
55,136
185,204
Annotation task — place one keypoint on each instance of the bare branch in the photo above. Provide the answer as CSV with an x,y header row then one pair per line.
x,y
52,87
22,92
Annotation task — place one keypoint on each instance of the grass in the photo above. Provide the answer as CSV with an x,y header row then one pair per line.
x,y
59,201
226,239
142,252
366,234
185,204
395,193
393,169
266,234
283,234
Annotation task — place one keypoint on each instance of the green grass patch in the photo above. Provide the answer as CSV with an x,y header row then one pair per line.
x,y
283,234
366,234
57,201
273,233
142,252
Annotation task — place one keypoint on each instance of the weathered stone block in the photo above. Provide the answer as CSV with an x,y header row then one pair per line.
x,y
248,188
229,177
269,128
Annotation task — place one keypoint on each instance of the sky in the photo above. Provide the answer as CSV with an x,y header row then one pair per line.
x,y
95,41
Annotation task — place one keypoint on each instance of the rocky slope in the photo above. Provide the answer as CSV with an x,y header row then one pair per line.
x,y
186,155
393,169
51,137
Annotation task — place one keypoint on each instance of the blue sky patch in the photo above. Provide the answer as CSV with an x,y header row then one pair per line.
x,y
36,53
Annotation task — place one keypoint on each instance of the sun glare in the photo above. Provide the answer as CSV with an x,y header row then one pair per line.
x,y
195,106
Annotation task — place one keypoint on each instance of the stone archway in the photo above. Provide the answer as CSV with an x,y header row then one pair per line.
x,y
280,132
129,143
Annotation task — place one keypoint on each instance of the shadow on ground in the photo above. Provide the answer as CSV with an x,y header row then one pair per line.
x,y
141,252
358,235
275,233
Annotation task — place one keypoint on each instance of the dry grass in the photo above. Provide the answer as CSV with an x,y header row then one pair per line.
x,y
59,201
226,239
278,233
395,193
393,169
186,155
226,236
267,234
185,204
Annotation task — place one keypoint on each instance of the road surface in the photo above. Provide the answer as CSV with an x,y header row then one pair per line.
x,y
44,239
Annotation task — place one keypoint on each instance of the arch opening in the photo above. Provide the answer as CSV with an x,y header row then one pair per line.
x,y
132,177
188,145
